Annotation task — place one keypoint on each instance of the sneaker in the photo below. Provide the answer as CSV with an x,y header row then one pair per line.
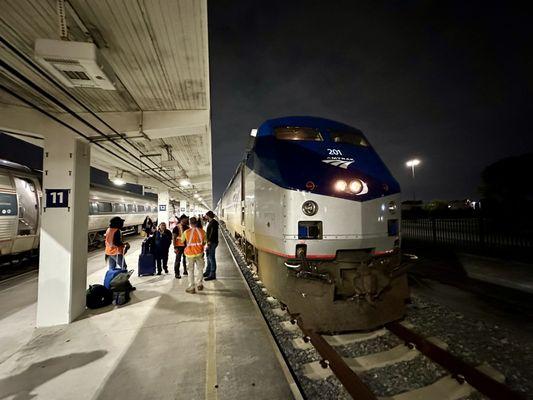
x,y
200,287
158,272
178,276
210,278
185,273
206,274
190,290
166,271
133,288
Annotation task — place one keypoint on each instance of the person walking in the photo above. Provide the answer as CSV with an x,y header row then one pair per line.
x,y
210,249
162,242
194,239
179,245
115,248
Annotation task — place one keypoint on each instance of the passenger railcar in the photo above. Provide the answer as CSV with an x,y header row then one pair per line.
x,y
21,204
317,212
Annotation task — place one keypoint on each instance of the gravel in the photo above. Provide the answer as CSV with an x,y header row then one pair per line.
x,y
473,341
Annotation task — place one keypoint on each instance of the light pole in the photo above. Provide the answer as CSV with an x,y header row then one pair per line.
x,y
413,163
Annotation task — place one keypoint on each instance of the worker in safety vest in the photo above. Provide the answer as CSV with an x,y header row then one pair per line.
x,y
115,248
179,245
194,239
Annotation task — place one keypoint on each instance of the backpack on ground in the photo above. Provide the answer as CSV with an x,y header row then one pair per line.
x,y
98,296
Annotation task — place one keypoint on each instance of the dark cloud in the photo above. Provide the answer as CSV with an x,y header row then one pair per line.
x,y
449,82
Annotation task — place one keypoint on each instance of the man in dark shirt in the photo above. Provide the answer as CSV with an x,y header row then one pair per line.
x,y
212,243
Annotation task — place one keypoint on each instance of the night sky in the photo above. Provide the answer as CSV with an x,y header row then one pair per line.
x,y
449,82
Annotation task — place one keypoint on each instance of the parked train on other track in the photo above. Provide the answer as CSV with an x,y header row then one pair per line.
x,y
21,207
317,211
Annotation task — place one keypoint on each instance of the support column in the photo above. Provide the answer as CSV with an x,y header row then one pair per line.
x,y
184,207
163,206
64,226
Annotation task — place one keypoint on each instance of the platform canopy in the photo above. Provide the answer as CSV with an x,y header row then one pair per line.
x,y
154,127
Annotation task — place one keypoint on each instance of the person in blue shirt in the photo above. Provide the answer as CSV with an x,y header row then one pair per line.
x,y
162,241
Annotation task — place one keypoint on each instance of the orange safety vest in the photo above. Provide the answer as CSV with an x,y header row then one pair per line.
x,y
178,241
110,248
195,238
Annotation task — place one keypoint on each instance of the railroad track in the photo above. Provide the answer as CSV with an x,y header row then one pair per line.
x,y
457,379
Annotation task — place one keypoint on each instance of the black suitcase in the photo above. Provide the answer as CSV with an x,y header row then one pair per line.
x,y
146,264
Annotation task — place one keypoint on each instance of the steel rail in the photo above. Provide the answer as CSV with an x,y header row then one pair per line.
x,y
349,379
460,369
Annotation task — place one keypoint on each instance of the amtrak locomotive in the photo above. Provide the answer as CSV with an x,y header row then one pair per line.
x,y
317,212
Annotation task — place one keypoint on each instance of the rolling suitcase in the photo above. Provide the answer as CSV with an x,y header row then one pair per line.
x,y
146,264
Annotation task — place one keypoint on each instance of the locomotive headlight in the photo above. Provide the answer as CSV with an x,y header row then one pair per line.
x,y
356,186
310,207
392,207
340,185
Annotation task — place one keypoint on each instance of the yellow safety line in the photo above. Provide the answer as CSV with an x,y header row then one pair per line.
x,y
211,368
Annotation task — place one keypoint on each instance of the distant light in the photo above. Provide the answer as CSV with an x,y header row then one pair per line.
x,y
199,199
196,195
184,182
253,132
413,163
118,181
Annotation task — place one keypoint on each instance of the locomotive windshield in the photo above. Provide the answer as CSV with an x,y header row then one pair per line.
x,y
298,133
353,138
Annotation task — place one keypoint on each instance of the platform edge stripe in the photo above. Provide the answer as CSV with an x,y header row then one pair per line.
x,y
285,367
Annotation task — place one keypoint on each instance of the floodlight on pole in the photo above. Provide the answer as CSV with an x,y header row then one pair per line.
x,y
412,164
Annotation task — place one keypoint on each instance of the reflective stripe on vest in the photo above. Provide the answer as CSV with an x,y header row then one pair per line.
x,y
110,248
195,241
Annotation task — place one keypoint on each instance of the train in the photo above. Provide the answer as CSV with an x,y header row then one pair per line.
x,y
21,207
317,214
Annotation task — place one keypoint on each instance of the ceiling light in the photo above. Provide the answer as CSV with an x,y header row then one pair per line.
x,y
184,182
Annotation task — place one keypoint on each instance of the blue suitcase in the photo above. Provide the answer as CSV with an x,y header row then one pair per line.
x,y
146,264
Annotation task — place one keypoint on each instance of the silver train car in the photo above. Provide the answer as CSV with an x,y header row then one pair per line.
x,y
21,206
317,212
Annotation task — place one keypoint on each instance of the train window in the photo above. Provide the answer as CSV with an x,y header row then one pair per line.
x,y
8,204
298,133
119,208
353,138
154,208
140,208
104,207
93,208
131,208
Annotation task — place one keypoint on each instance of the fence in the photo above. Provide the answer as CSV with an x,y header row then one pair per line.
x,y
477,234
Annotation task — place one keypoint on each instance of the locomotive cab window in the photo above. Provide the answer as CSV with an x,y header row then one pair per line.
x,y
298,134
353,138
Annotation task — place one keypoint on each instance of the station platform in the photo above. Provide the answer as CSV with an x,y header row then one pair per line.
x,y
164,344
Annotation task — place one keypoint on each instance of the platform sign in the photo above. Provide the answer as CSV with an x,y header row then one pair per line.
x,y
57,198
162,207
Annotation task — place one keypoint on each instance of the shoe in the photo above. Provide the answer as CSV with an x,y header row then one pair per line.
x,y
185,273
133,288
206,274
190,290
166,271
158,272
178,276
210,278
200,287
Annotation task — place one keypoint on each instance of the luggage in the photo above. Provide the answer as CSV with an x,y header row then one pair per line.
x,y
117,281
98,296
111,274
146,265
121,298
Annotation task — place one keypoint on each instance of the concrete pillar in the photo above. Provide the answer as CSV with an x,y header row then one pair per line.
x,y
184,207
163,208
64,225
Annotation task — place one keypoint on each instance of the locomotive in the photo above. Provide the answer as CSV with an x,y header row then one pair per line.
x,y
316,212
21,203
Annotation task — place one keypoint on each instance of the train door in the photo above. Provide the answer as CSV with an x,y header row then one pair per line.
x,y
28,214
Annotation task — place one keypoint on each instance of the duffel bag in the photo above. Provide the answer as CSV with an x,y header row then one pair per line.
x,y
98,296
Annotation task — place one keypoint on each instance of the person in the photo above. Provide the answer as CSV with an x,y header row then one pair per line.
x,y
147,225
162,242
179,245
115,248
194,239
210,249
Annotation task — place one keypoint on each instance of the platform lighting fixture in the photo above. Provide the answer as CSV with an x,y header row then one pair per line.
x,y
118,179
412,164
184,182
196,195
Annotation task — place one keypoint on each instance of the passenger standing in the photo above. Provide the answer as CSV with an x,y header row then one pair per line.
x,y
147,226
179,245
162,242
210,249
194,239
115,248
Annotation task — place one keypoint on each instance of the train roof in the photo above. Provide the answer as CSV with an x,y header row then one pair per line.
x,y
267,127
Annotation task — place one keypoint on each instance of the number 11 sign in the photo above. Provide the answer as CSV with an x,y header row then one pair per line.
x,y
57,198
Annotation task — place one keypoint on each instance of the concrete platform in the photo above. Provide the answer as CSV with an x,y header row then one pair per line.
x,y
164,344
506,273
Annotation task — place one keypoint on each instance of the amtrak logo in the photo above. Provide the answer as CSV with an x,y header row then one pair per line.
x,y
340,162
